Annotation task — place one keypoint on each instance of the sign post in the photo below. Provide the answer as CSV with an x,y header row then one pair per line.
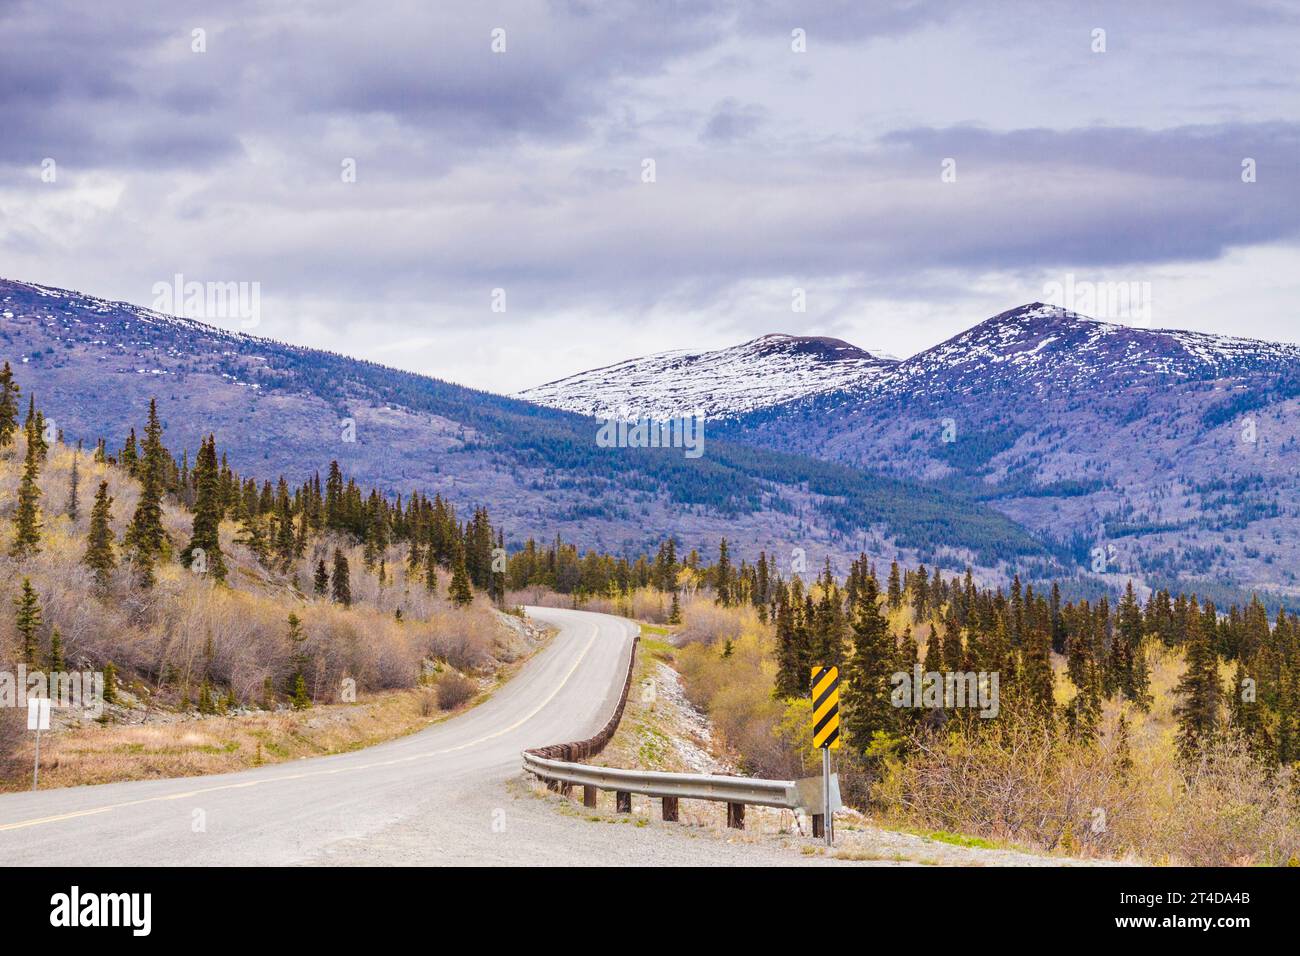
x,y
826,732
38,719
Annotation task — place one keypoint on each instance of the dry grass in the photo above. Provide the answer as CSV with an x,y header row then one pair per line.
x,y
166,641
187,748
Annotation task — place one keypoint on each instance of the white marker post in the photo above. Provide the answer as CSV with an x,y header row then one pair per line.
x,y
38,719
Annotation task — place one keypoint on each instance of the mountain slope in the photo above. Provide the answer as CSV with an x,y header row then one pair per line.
x,y
757,374
288,410
1165,453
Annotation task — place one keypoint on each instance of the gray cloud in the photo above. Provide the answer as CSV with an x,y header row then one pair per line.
x,y
732,120
523,170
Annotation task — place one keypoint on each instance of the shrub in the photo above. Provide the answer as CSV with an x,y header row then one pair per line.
x,y
454,689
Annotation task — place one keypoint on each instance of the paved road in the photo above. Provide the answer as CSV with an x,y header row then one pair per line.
x,y
452,794
296,812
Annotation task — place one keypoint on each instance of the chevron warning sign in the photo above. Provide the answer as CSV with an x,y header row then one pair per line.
x,y
826,707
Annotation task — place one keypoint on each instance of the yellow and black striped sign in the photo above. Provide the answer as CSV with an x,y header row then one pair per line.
x,y
826,707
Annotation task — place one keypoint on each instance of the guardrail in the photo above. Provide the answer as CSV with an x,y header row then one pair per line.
x,y
557,765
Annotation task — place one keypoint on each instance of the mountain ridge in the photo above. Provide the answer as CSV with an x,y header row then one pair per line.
x,y
1176,453
289,410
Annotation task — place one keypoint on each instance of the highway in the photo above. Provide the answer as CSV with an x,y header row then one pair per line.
x,y
451,794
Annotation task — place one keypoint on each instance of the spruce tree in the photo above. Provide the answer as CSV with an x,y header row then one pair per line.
x,y
459,590
300,700
341,583
723,584
145,535
953,652
129,456
205,698
792,672
1135,679
205,535
868,711
27,621
35,429
675,613
57,664
1200,690
322,581
933,652
74,487
99,555
920,594
27,517
8,406
253,536
110,683
297,683
1038,679
895,587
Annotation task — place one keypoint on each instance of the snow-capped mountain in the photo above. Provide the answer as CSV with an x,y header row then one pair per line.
x,y
1038,344
1176,452
766,371
1033,346
284,410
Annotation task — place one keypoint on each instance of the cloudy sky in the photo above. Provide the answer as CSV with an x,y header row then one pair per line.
x,y
913,167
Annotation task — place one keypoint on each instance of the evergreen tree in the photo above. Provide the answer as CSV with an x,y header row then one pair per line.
x,y
723,583
868,712
298,696
792,667
1200,690
952,646
1037,678
205,535
35,429
8,406
99,555
110,683
1135,678
341,584
894,588
300,700
27,621
933,652
322,582
675,613
74,488
129,457
145,536
57,663
920,594
459,591
205,698
27,517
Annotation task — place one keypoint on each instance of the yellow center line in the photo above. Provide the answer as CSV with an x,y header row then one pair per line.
x,y
38,821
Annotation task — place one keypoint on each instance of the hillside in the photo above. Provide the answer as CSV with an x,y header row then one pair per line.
x,y
720,384
1036,412
287,409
